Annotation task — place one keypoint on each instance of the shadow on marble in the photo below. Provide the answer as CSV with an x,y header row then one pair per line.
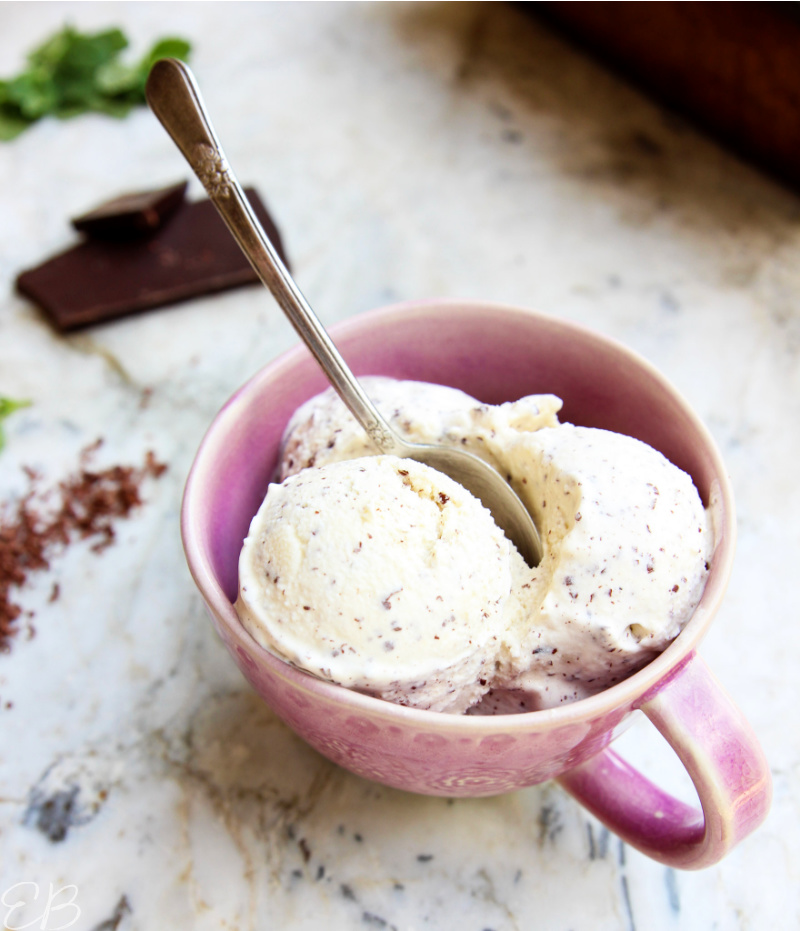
x,y
651,162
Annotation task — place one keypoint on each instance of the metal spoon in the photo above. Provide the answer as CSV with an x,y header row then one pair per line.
x,y
175,99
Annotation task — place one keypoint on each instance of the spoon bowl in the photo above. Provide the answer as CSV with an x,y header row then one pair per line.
x,y
174,97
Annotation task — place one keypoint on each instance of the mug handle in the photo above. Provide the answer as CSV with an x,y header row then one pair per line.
x,y
722,756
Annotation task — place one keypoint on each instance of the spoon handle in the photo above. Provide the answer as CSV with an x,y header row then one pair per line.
x,y
175,99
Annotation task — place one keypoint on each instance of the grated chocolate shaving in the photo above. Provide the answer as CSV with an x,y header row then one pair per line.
x,y
87,506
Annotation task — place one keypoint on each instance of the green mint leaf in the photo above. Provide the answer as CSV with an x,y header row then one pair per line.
x,y
85,54
118,108
7,407
33,93
52,50
11,126
73,73
166,48
115,78
12,122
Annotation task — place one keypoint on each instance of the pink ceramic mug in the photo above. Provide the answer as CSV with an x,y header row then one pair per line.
x,y
496,354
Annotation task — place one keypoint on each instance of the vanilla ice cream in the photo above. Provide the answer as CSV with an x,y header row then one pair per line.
x,y
626,549
323,430
382,575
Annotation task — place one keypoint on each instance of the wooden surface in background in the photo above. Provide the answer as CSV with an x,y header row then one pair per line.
x,y
732,68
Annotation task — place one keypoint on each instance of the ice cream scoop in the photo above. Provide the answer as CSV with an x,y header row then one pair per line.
x,y
382,575
627,541
175,99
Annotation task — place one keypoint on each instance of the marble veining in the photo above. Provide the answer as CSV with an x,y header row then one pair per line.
x,y
406,150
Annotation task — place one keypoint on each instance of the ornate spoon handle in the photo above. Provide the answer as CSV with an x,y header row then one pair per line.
x,y
175,99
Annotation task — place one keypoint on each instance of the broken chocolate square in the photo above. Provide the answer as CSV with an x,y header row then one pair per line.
x,y
190,255
131,215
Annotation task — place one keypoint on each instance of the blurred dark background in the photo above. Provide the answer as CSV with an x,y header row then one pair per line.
x,y
732,69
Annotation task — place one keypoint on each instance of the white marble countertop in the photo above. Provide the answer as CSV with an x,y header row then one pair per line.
x,y
405,150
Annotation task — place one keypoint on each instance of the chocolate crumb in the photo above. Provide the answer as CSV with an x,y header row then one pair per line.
x,y
86,507
387,601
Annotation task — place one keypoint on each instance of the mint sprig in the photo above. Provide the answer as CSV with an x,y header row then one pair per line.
x,y
73,73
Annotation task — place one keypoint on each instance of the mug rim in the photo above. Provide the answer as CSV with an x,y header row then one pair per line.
x,y
630,692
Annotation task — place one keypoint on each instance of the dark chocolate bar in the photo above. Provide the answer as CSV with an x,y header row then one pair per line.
x,y
131,215
192,254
